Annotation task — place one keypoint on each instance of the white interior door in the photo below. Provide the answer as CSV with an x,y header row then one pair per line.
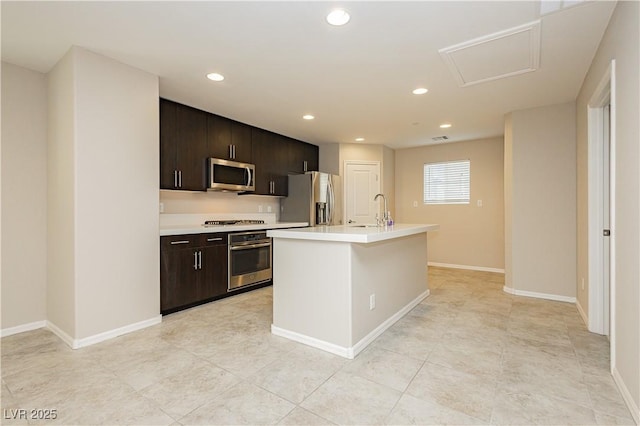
x,y
362,183
606,213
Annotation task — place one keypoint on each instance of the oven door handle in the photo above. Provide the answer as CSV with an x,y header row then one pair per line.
x,y
249,246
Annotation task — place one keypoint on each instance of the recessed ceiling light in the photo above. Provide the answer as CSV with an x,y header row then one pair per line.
x,y
308,117
215,76
420,91
359,139
445,125
338,17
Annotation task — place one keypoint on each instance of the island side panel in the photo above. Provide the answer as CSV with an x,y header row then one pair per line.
x,y
311,289
396,272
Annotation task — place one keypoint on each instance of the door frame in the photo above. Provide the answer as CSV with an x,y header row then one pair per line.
x,y
603,94
346,181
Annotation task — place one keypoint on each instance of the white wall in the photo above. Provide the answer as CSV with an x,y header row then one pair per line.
x,y
117,168
389,177
508,201
103,195
621,42
333,156
469,236
24,200
174,202
61,188
542,201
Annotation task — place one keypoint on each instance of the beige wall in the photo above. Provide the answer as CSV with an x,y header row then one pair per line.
x,y
333,156
61,186
389,177
103,225
216,202
24,200
329,158
469,236
620,42
542,202
117,168
508,202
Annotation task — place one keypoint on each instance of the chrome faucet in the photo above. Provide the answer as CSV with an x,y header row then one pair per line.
x,y
385,215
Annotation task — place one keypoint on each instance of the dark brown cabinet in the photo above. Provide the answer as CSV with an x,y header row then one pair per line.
x,y
193,270
303,157
183,147
228,139
271,158
188,137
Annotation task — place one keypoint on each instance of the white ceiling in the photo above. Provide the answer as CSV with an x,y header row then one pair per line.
x,y
282,60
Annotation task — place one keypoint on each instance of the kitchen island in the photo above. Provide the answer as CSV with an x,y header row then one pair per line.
x,y
337,288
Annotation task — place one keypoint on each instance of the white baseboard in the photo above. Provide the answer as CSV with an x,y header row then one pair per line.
x,y
22,328
61,334
313,342
101,337
366,340
537,295
584,316
626,395
349,352
467,267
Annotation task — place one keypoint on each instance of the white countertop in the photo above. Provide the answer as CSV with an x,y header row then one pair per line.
x,y
352,233
200,229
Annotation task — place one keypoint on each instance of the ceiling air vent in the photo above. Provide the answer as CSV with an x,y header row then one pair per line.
x,y
440,138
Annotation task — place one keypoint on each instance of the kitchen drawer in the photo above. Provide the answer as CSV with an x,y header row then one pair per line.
x,y
213,239
176,242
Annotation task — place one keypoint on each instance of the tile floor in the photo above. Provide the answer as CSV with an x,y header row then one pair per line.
x,y
469,354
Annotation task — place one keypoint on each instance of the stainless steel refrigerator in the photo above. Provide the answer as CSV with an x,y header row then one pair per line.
x,y
314,197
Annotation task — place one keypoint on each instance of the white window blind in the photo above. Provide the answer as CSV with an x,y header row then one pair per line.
x,y
447,182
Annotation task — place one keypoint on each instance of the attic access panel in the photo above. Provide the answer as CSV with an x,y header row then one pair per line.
x,y
499,55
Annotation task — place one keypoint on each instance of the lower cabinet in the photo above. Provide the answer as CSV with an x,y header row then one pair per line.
x,y
193,270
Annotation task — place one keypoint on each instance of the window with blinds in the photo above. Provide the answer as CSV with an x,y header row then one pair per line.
x,y
447,182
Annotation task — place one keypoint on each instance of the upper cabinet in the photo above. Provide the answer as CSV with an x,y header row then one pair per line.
x,y
303,157
271,157
188,137
228,139
183,147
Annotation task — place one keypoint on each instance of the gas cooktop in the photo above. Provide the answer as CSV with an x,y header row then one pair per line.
x,y
233,222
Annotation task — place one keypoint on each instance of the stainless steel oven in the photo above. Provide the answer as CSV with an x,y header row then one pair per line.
x,y
249,259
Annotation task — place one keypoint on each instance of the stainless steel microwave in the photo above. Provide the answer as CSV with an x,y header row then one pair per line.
x,y
225,175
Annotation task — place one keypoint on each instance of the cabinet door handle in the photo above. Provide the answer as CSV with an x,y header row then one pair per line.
x,y
195,260
305,165
230,152
214,239
175,178
179,242
200,259
233,150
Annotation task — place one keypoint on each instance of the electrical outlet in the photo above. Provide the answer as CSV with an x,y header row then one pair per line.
x,y
479,203
372,302
260,209
415,204
161,207
583,283
268,209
